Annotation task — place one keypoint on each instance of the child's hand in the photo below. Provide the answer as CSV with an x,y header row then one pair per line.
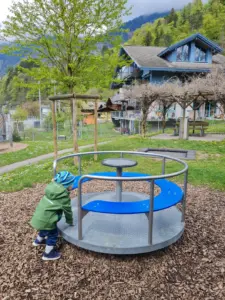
x,y
72,224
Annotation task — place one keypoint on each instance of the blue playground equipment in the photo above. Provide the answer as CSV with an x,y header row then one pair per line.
x,y
124,222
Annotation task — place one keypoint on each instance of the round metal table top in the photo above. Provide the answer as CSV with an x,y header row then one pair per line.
x,y
119,162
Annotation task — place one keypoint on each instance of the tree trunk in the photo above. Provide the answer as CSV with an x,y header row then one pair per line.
x,y
164,120
181,131
194,121
54,130
143,123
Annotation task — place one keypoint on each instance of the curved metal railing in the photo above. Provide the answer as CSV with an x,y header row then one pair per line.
x,y
152,179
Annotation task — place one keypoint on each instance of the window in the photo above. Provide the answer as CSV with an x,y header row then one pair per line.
x,y
200,55
183,53
179,54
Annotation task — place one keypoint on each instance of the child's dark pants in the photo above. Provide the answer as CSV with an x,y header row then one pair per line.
x,y
52,236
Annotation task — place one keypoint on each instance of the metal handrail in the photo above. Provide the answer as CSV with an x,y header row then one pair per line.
x,y
152,179
144,178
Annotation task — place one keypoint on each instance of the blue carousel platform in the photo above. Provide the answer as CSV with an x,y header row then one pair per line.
x,y
113,227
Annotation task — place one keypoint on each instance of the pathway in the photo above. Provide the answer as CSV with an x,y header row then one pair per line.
x,y
206,138
35,160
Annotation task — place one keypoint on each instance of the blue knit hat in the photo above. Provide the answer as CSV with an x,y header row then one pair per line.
x,y
65,178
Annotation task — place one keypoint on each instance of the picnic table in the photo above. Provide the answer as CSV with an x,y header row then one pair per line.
x,y
194,125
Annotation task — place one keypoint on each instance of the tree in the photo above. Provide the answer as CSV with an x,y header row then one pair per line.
x,y
147,39
63,34
146,94
172,17
20,115
32,108
166,100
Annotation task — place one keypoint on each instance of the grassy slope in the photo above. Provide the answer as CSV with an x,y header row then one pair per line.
x,y
38,148
208,169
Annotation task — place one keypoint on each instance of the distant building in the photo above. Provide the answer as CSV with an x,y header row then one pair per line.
x,y
192,56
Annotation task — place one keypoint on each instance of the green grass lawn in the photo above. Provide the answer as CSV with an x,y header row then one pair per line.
x,y
43,142
216,127
208,169
38,148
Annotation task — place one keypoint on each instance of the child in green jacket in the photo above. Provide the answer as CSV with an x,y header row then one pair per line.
x,y
55,202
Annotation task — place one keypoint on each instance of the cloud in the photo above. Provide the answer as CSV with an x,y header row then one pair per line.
x,y
4,9
140,7
144,7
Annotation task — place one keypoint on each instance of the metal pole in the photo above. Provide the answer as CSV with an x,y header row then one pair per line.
x,y
151,209
79,223
185,195
119,187
79,165
39,99
10,131
96,130
163,165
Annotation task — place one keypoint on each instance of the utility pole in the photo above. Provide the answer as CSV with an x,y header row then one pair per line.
x,y
39,99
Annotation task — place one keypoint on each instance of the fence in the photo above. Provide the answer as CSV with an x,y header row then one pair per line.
x,y
65,133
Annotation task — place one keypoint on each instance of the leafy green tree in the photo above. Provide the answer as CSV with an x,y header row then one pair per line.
x,y
147,39
208,19
19,115
63,34
32,108
172,17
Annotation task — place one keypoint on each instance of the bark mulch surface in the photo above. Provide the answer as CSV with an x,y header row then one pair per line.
x,y
193,268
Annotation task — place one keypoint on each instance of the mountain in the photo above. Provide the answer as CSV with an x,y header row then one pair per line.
x,y
207,19
136,23
8,61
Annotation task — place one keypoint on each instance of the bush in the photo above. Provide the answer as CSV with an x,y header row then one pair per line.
x,y
16,136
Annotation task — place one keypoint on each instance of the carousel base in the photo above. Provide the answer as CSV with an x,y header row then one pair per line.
x,y
122,234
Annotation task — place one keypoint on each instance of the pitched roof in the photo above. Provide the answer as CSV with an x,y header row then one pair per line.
x,y
147,57
199,37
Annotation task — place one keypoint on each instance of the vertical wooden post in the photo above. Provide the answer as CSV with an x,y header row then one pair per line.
x,y
96,130
75,143
54,131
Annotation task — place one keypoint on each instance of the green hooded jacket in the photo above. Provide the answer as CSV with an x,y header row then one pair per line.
x,y
51,207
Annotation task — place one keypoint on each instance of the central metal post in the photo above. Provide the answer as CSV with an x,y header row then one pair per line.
x,y
151,210
184,197
119,187
79,206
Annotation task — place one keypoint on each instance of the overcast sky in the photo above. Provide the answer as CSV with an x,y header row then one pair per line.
x,y
140,7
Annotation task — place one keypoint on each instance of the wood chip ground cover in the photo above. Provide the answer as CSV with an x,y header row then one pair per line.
x,y
193,268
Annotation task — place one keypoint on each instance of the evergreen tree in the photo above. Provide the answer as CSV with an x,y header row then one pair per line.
x,y
172,17
147,39
208,19
196,17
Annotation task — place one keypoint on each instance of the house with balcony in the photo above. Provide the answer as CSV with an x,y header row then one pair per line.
x,y
192,56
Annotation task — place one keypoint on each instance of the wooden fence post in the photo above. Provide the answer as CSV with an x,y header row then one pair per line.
x,y
96,130
75,143
54,131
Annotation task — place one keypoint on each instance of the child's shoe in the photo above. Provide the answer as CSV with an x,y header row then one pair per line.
x,y
52,255
37,243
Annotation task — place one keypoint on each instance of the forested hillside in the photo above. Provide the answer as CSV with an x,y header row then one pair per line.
x,y
136,23
208,19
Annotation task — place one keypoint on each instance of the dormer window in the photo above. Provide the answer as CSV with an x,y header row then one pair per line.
x,y
200,55
183,53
